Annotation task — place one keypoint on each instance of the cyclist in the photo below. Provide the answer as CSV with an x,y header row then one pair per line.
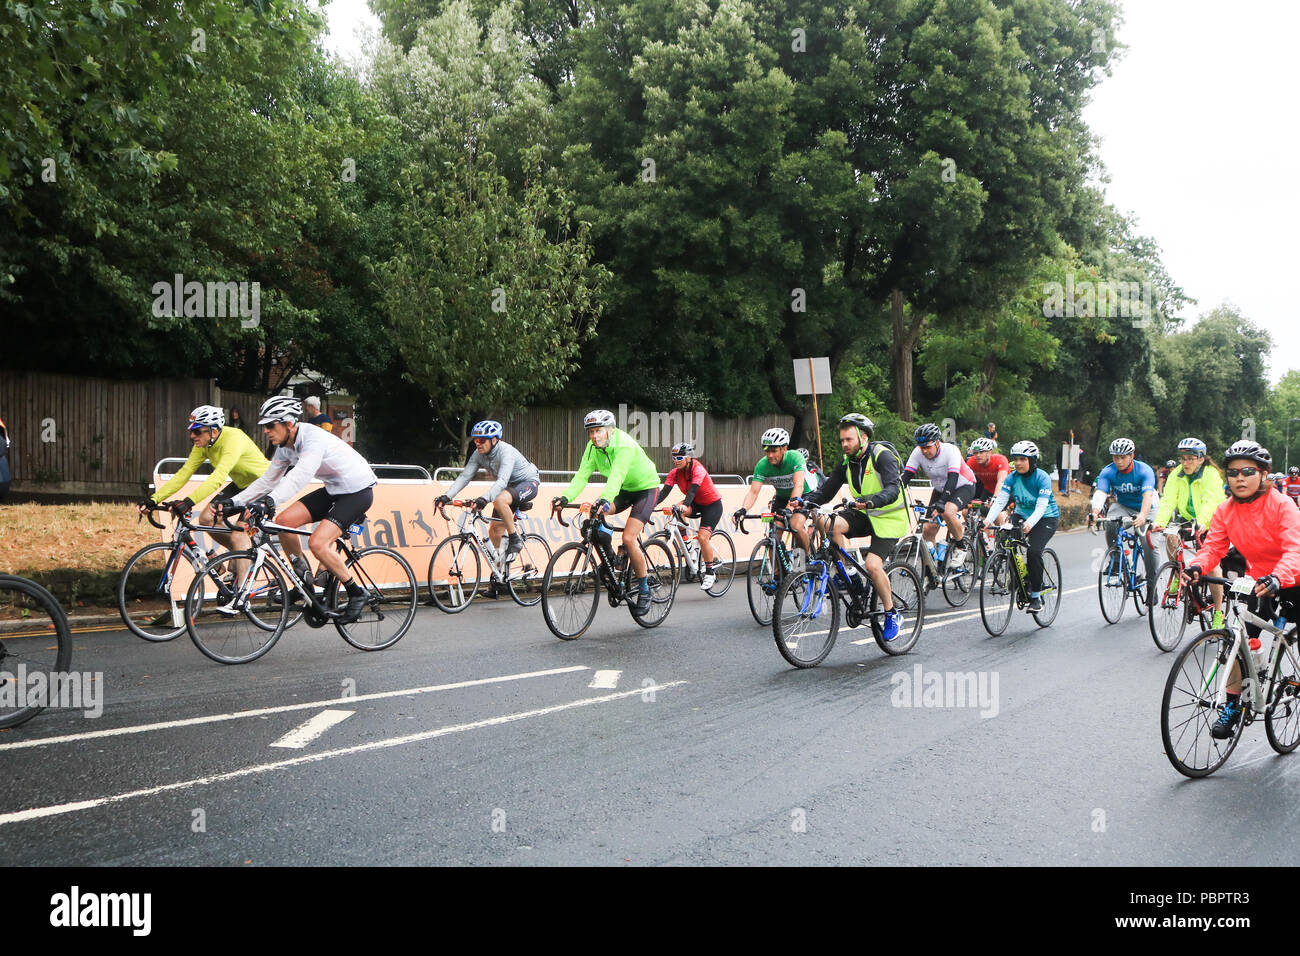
x,y
347,494
515,480
870,469
1265,528
702,499
233,455
1192,493
990,469
631,481
1163,475
952,480
784,470
1031,488
813,475
1134,486
1292,487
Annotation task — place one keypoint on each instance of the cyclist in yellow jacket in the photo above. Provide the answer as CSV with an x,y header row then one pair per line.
x,y
1191,493
233,455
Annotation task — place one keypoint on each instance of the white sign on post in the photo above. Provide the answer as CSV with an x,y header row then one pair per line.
x,y
1070,455
812,376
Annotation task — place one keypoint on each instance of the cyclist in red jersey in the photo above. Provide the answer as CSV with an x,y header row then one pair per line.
x,y
1264,527
991,470
1292,487
702,499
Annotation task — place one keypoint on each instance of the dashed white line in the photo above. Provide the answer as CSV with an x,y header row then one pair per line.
x,y
285,708
306,732
605,680
37,813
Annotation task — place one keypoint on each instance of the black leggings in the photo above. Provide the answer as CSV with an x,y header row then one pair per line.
x,y
1038,538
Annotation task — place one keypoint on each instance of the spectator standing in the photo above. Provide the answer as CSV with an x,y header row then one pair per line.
x,y
311,414
991,432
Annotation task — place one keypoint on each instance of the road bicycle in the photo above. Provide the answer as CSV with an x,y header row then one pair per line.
x,y
265,588
464,554
956,581
684,541
1197,687
34,640
1004,582
807,607
573,579
151,588
1174,604
769,562
1123,574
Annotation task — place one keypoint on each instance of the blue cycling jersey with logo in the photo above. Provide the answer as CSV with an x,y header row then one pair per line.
x,y
1127,488
1028,490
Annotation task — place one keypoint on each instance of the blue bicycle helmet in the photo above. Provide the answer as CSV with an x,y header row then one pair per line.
x,y
486,429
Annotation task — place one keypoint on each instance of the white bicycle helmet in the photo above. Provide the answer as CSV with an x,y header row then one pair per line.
x,y
599,418
1122,446
983,444
207,416
1194,445
775,437
1026,448
280,408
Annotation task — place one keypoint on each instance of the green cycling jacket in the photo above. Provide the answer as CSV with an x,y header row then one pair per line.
x,y
1196,497
624,464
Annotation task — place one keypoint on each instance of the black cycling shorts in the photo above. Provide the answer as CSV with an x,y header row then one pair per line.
x,y
522,492
342,510
961,497
709,515
642,503
860,527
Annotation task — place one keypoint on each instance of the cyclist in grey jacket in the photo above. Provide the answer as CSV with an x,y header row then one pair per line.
x,y
516,481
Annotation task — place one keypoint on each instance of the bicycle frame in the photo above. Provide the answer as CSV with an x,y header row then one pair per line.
x,y
1128,569
1240,617
829,554
466,524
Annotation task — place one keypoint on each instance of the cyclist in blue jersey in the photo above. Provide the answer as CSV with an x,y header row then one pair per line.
x,y
1133,483
1031,489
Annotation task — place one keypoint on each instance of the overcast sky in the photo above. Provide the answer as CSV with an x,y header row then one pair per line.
x,y
1198,134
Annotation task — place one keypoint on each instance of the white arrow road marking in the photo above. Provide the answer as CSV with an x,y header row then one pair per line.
x,y
605,680
37,812
305,733
285,708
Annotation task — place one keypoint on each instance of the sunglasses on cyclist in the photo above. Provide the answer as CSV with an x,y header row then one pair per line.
x,y
679,457
1244,472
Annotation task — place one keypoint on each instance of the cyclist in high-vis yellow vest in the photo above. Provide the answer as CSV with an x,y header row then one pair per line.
x,y
1193,493
874,477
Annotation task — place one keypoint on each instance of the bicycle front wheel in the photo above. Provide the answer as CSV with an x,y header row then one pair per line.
x,y
391,596
997,593
909,601
1051,593
238,621
41,645
1168,618
661,576
724,563
1110,586
762,581
527,569
959,580
455,573
805,617
151,594
1142,592
570,591
1282,719
1188,711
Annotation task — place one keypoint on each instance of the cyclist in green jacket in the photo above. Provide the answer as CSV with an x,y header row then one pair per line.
x,y
631,481
1192,493
233,455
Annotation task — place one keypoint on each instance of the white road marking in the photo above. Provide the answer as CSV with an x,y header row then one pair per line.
x,y
37,813
285,708
605,680
305,733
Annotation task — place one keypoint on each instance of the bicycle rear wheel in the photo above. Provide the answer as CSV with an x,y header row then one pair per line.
x,y
392,594
455,574
1188,711
661,575
959,581
1142,593
151,592
1282,719
1051,593
248,630
909,601
805,617
1168,618
1110,585
42,644
570,591
527,569
724,563
997,593
762,581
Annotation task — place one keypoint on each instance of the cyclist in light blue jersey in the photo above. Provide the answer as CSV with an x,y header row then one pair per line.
x,y
1031,489
1133,483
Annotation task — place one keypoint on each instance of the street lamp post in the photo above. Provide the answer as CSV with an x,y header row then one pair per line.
x,y
1286,452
